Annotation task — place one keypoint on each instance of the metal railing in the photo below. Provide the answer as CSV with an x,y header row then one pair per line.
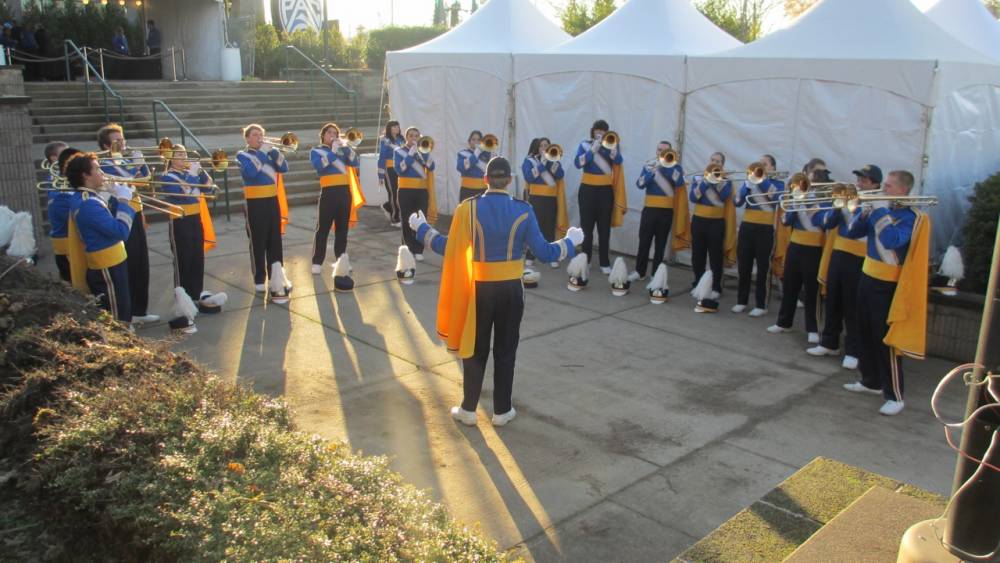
x,y
185,133
87,69
338,85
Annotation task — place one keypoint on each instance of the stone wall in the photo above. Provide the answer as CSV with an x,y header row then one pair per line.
x,y
953,328
11,80
17,168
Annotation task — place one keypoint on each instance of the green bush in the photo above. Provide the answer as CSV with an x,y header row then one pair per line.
x,y
394,38
114,448
88,26
980,233
270,56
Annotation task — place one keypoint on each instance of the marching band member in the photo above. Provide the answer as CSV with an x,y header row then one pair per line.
x,y
839,272
546,192
892,291
755,243
97,233
58,209
336,164
665,190
416,187
471,164
484,296
191,235
713,230
263,209
602,196
387,145
111,138
802,262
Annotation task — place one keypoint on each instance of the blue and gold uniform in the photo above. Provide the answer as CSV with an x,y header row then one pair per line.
x,y
892,294
755,242
546,192
471,165
136,245
839,273
387,174
191,233
339,199
481,292
601,198
101,229
805,250
59,205
713,229
665,192
416,190
265,207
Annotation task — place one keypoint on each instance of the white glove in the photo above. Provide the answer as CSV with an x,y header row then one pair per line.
x,y
575,235
880,204
122,192
413,150
137,158
195,168
417,219
595,145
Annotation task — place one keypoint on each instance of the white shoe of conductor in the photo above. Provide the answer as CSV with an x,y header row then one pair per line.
x,y
465,417
503,419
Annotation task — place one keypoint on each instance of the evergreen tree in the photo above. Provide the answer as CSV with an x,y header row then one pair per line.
x,y
439,17
601,10
475,6
455,9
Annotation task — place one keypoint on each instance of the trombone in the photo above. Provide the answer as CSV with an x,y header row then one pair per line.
x,y
425,145
849,197
667,158
490,143
610,140
289,142
353,137
553,154
219,160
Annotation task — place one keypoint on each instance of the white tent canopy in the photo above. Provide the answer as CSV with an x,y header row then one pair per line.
x,y
969,21
628,70
461,80
835,85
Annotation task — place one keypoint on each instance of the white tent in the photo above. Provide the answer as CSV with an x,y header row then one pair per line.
x,y
628,70
461,81
968,20
837,85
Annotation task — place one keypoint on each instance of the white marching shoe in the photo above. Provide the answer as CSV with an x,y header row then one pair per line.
x,y
634,276
758,312
317,269
821,350
144,319
738,308
891,408
418,257
260,288
605,270
503,419
858,387
553,265
814,338
850,362
529,262
775,329
465,417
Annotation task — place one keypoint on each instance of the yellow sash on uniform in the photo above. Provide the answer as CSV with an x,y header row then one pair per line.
x,y
824,261
682,220
729,246
282,202
456,309
907,319
473,183
621,202
207,228
782,238
76,251
357,196
432,206
557,191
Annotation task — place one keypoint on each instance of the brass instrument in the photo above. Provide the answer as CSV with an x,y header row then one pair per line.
x,y
553,154
610,140
163,149
289,142
353,137
425,145
849,197
714,174
490,143
219,160
668,158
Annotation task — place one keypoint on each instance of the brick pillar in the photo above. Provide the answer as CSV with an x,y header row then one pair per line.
x,y
17,167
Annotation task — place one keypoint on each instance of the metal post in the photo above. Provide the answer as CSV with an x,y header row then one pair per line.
x,y
184,64
225,187
156,126
100,53
173,61
968,530
66,57
86,66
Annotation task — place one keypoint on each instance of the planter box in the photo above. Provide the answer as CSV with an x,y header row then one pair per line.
x,y
953,328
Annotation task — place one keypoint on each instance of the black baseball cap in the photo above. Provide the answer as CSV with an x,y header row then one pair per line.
x,y
870,171
498,167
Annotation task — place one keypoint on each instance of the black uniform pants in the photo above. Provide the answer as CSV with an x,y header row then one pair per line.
x,y
654,224
187,241
466,193
596,205
879,365
62,263
754,245
110,286
801,269
138,266
334,210
412,200
841,310
707,241
499,308
546,208
263,218
392,188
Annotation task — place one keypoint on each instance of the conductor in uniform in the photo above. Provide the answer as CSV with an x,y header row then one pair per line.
x,y
481,294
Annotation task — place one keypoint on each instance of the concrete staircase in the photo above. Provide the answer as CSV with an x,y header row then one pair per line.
x,y
214,111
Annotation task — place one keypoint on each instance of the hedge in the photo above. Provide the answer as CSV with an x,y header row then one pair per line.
x,y
980,232
114,448
394,38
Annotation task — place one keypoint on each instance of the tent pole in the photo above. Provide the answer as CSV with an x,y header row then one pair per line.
x,y
928,117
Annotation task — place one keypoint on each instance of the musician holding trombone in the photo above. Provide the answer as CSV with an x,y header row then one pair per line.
x,y
415,168
471,163
760,194
892,290
57,208
713,228
387,145
601,197
662,178
839,272
336,163
543,174
100,221
111,140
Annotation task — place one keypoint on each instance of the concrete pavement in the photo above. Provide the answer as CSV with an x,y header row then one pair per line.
x,y
640,428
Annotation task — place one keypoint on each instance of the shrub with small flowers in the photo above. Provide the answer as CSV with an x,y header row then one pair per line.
x,y
113,448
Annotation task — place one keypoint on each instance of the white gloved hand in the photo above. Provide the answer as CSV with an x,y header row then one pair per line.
x,y
417,219
195,168
137,157
595,145
880,204
122,192
575,235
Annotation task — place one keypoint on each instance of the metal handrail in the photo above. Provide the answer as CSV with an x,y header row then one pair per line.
x,y
185,132
352,93
88,68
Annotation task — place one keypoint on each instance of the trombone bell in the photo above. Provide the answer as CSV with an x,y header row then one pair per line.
x,y
668,158
554,153
425,145
610,140
490,143
289,142
353,137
